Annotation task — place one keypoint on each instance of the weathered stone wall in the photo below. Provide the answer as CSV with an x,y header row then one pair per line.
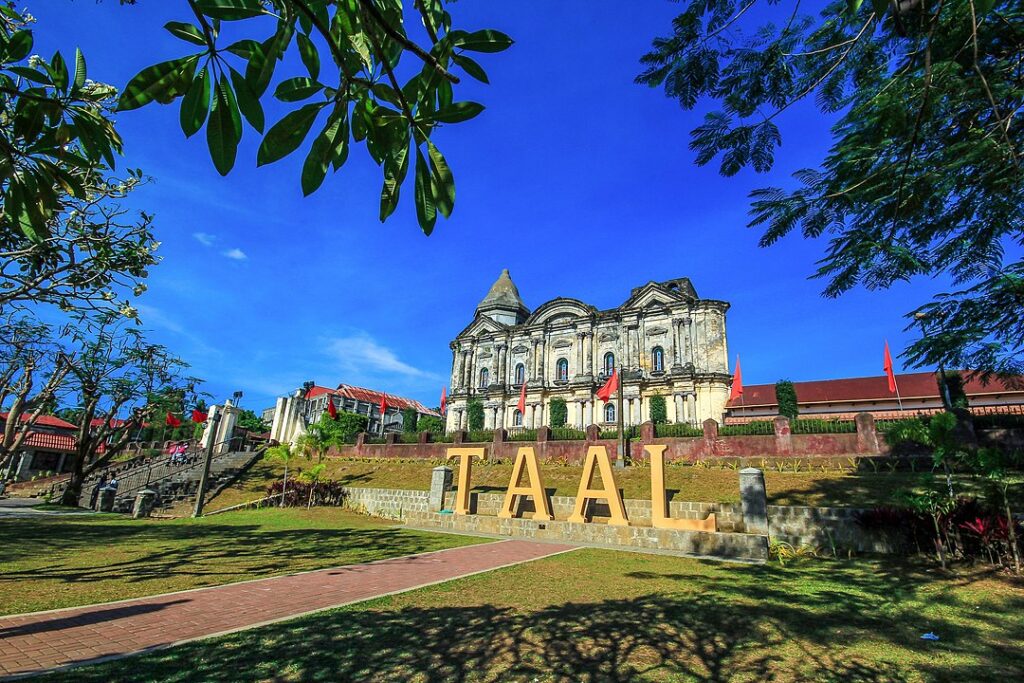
x,y
820,527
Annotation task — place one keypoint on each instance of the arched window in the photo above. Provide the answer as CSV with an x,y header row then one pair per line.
x,y
658,359
609,412
609,363
520,374
517,418
562,369
485,377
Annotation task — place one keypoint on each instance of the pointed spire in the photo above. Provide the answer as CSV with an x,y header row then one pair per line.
x,y
504,297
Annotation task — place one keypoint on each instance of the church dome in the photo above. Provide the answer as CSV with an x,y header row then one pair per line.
x,y
502,302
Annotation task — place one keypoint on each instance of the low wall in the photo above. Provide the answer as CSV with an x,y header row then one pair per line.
x,y
821,527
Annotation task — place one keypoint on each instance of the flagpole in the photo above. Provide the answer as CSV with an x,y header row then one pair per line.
x,y
897,385
621,460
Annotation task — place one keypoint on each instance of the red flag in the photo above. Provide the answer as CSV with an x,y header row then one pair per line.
x,y
172,421
522,399
610,387
331,410
887,366
737,382
383,404
444,400
198,416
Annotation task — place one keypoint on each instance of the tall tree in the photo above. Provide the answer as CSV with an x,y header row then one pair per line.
x,y
120,381
32,368
352,54
924,176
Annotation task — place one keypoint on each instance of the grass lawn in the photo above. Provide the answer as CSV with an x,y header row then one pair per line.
x,y
841,489
599,615
63,560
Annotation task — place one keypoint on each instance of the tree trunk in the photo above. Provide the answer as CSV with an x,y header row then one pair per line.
x,y
1013,536
284,486
73,491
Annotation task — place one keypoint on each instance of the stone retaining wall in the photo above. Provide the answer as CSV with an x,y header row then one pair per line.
x,y
821,527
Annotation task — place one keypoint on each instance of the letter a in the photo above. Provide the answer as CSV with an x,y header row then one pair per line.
x,y
526,462
659,501
465,456
598,456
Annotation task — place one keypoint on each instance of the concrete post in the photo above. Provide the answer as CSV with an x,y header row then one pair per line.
x,y
144,502
543,434
593,432
647,432
867,435
440,485
783,435
753,501
105,500
424,437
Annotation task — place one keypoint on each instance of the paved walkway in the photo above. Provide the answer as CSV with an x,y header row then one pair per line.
x,y
31,643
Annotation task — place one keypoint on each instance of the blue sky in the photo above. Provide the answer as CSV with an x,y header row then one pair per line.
x,y
577,180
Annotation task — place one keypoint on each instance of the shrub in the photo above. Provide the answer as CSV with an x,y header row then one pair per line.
x,y
819,426
409,419
328,492
658,413
568,434
559,412
681,429
785,395
475,414
429,423
480,435
756,428
907,436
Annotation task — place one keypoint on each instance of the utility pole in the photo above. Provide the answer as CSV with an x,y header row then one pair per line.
x,y
621,460
208,456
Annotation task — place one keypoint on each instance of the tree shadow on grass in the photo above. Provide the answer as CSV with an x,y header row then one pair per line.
x,y
210,553
651,637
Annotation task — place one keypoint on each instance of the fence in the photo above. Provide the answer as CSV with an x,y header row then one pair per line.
x,y
567,434
816,426
677,430
759,428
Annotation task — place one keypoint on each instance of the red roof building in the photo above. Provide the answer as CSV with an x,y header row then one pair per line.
x,y
844,398
352,399
45,449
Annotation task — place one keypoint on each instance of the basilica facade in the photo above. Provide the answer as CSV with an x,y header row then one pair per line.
x,y
665,340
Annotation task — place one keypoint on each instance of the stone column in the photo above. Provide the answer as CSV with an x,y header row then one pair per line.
x,y
529,424
540,414
867,434
144,501
275,429
580,336
593,406
105,500
677,409
691,400
503,364
753,501
590,354
440,485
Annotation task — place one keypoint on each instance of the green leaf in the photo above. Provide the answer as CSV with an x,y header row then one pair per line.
x,y
157,82
983,7
457,112
195,105
248,103
285,136
320,153
310,57
225,128
18,46
443,180
471,67
32,74
59,71
262,60
295,89
79,71
486,40
230,10
243,48
426,212
186,32
853,5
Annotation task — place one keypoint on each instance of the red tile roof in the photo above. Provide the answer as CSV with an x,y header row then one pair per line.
x,y
44,421
49,441
911,385
373,397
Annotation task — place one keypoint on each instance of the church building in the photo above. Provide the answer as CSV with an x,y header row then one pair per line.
x,y
667,341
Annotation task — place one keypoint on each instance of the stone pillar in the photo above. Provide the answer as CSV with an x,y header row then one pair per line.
x,y
210,437
579,353
226,426
647,432
424,437
440,485
539,414
593,406
677,409
24,465
710,429
144,502
867,434
593,432
783,435
390,439
691,401
543,434
637,409
590,354
275,428
753,501
105,500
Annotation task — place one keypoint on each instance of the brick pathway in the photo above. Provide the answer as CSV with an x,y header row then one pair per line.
x,y
31,643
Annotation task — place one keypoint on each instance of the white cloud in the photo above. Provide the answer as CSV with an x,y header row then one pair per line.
x,y
359,353
204,238
236,254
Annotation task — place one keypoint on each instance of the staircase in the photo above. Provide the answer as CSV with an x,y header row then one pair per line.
x,y
182,483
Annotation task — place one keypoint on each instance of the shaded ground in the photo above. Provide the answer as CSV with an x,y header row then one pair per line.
x,y
829,488
62,561
595,615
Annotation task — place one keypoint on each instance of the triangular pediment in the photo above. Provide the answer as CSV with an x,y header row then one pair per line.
x,y
481,325
651,295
